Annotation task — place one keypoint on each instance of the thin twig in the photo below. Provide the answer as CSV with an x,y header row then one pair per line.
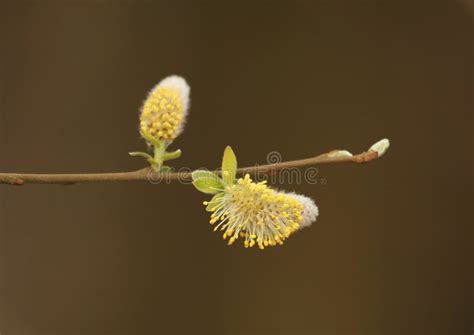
x,y
147,174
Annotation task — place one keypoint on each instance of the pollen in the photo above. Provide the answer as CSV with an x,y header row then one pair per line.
x,y
164,110
256,213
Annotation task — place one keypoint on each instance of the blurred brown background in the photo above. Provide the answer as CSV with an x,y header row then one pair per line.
x,y
391,252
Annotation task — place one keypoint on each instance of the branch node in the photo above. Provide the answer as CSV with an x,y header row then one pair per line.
x,y
18,182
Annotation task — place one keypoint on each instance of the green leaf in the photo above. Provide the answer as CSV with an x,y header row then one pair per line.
x,y
148,157
207,182
216,199
198,174
229,166
171,155
204,185
140,154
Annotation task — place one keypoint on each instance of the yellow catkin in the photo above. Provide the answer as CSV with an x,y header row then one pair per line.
x,y
163,113
260,215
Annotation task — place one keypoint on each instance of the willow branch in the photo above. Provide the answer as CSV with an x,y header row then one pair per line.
x,y
147,174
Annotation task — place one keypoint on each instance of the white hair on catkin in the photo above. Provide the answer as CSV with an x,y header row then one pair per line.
x,y
310,211
183,87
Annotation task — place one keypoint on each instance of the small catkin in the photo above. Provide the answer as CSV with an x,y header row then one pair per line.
x,y
165,109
